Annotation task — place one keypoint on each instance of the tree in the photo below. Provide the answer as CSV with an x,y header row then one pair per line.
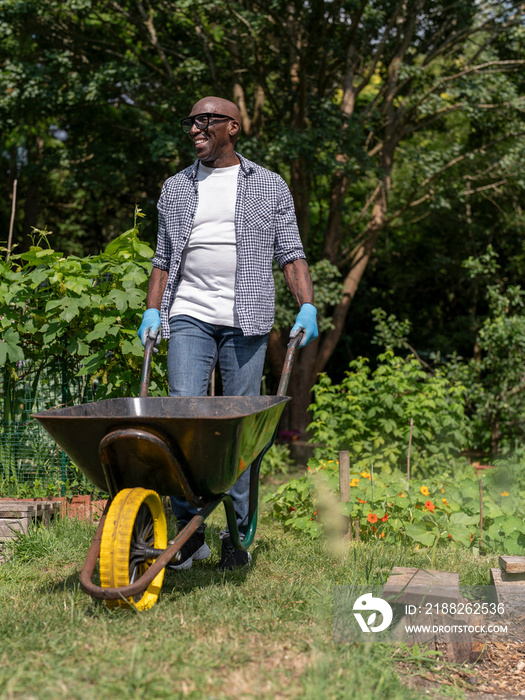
x,y
86,117
376,112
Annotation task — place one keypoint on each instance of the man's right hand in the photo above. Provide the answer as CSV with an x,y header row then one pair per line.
x,y
150,326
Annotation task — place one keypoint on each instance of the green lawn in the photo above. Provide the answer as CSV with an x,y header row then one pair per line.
x,y
262,632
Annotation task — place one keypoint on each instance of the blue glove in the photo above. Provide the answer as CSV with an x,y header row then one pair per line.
x,y
307,321
150,326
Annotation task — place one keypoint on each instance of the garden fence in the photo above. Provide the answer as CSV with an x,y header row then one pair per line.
x,y
28,455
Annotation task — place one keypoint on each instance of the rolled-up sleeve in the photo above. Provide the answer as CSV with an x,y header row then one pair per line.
x,y
288,246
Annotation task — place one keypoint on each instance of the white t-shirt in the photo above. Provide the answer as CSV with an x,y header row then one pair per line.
x,y
209,260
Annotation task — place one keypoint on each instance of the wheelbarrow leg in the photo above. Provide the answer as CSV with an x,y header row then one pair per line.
x,y
244,543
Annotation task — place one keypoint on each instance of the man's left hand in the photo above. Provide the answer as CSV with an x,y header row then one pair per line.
x,y
306,321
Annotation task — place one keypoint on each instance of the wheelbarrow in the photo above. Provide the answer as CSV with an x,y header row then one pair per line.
x,y
139,449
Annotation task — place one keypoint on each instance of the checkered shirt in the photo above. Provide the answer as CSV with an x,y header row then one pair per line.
x,y
265,227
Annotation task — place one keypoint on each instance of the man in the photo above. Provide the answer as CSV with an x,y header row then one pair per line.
x,y
221,222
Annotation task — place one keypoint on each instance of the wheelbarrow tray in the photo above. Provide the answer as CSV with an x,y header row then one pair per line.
x,y
213,438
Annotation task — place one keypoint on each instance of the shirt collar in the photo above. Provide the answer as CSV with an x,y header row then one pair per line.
x,y
246,167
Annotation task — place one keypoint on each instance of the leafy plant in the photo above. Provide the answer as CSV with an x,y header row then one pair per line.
x,y
426,512
494,376
276,461
69,321
370,412
83,312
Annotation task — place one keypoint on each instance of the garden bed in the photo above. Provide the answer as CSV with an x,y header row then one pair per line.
x,y
17,514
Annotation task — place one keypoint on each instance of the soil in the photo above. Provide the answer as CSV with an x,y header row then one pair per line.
x,y
499,673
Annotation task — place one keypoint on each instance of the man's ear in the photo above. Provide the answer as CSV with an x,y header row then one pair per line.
x,y
234,128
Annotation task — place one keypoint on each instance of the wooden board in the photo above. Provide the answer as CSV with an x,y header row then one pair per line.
x,y
10,528
510,590
499,577
512,565
21,509
13,509
16,516
408,586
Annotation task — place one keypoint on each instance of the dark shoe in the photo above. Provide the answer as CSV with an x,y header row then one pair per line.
x,y
194,549
231,558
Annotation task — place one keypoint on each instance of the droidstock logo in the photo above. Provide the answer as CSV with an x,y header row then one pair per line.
x,y
367,603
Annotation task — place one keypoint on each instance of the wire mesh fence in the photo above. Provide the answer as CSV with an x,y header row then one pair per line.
x,y
29,458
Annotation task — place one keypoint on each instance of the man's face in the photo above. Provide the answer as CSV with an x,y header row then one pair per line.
x,y
214,143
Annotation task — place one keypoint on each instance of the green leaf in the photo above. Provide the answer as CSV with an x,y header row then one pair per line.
x,y
458,519
423,533
460,534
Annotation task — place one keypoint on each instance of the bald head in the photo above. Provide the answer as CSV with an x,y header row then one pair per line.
x,y
217,105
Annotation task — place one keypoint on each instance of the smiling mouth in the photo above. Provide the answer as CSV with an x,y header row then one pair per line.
x,y
199,141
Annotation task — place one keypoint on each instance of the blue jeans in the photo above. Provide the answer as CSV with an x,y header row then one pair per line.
x,y
193,350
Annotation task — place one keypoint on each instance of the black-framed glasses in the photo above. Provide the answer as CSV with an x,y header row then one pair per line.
x,y
202,121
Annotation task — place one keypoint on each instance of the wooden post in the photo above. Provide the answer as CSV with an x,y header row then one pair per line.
x,y
414,589
344,476
12,222
409,448
344,488
480,516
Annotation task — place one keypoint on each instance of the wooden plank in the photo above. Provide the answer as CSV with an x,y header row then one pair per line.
x,y
10,528
16,516
12,509
512,565
413,586
510,590
500,577
439,632
33,509
16,510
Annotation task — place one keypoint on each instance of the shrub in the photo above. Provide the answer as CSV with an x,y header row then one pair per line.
x,y
80,312
369,414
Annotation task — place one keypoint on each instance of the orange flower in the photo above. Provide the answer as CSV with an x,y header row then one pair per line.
x,y
366,475
424,491
361,501
429,506
504,493
402,494
372,518
381,534
445,502
384,518
354,482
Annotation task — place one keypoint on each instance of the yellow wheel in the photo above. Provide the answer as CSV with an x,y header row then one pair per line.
x,y
135,519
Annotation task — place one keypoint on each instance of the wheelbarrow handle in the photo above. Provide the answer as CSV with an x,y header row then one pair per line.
x,y
293,344
146,366
285,375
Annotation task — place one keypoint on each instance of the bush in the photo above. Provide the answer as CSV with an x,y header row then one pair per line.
x,y
369,414
82,313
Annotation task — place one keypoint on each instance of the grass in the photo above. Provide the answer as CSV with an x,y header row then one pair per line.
x,y
262,632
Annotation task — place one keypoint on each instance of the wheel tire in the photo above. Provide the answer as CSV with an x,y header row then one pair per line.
x,y
134,515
